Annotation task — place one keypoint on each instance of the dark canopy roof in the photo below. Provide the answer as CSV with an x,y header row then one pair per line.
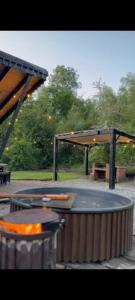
x,y
13,75
96,136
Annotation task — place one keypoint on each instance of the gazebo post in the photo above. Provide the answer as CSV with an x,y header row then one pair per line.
x,y
86,161
55,159
112,161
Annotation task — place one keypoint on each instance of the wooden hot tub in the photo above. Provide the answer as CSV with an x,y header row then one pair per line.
x,y
98,227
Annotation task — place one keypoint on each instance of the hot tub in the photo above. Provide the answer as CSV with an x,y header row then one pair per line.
x,y
98,227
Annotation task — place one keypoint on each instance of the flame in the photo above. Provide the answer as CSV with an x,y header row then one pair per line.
x,y
22,228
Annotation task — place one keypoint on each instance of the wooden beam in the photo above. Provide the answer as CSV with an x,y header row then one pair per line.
x,y
4,72
85,133
125,134
112,161
15,90
36,85
71,142
10,128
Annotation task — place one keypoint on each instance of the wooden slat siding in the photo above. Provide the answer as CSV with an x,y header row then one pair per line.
x,y
3,253
36,254
114,234
126,230
122,231
45,254
118,234
89,239
23,255
82,237
131,227
11,254
96,237
67,238
60,237
108,235
103,236
75,239
52,251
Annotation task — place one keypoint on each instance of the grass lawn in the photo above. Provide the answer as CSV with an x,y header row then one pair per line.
x,y
42,175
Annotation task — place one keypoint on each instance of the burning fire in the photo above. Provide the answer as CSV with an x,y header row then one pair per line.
x,y
22,228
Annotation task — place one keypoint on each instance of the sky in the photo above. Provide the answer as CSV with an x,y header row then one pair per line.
x,y
108,55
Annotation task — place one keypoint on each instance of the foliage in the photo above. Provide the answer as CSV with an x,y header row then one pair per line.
x,y
57,108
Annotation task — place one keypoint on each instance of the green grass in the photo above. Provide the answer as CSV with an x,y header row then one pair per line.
x,y
42,175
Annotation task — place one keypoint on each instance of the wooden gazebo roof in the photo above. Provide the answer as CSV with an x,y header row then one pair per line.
x,y
13,76
95,137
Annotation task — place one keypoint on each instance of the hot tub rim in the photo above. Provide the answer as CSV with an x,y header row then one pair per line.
x,y
85,210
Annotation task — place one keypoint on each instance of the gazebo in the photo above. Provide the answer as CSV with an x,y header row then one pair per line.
x,y
18,80
90,138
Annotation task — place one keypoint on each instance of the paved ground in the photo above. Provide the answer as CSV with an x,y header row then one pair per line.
x,y
125,189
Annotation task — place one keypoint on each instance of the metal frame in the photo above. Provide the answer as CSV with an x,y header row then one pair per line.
x,y
114,139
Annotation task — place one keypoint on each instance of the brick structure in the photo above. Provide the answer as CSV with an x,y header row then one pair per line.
x,y
102,172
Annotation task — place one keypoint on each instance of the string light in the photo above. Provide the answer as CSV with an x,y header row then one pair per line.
x,y
94,140
14,96
72,132
50,117
28,95
7,148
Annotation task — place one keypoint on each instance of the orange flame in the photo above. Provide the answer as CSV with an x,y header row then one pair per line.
x,y
22,228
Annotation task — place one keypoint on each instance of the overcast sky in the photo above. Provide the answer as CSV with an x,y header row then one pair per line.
x,y
108,55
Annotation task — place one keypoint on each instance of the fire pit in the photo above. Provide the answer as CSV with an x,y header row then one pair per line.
x,y
28,239
98,227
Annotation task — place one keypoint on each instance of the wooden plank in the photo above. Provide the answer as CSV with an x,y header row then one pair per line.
x,y
3,252
114,232
62,197
36,254
108,235
118,237
122,232
103,237
126,231
75,239
67,238
11,246
131,228
23,255
52,250
82,236
96,242
45,253
89,237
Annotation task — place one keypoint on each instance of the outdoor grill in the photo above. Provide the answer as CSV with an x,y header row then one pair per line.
x,y
98,227
29,250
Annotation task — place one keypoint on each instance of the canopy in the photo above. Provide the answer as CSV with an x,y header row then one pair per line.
x,y
95,137
13,76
